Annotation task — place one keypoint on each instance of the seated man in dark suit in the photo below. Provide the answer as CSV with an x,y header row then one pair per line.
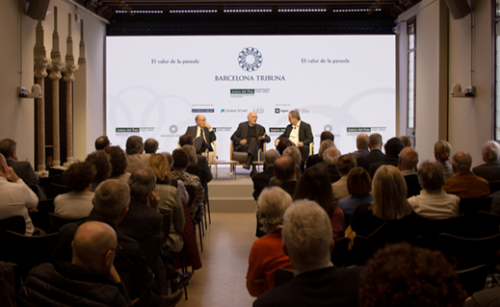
x,y
102,143
392,149
408,160
90,279
490,170
375,154
317,158
202,134
362,141
22,169
261,180
285,171
299,133
307,240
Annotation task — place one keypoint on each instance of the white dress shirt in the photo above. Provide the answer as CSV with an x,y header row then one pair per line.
x,y
294,134
15,199
439,206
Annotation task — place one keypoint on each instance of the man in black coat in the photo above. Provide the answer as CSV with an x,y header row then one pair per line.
x,y
299,132
375,154
285,170
490,170
317,158
392,149
202,134
408,160
261,180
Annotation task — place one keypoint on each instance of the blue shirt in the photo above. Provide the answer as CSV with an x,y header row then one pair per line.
x,y
348,205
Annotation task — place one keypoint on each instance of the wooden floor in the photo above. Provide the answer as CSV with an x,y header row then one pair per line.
x,y
226,246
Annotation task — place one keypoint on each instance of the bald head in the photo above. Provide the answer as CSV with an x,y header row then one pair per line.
x,y
93,246
252,118
408,159
201,120
285,168
462,161
362,141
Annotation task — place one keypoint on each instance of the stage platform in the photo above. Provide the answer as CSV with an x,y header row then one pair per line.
x,y
229,195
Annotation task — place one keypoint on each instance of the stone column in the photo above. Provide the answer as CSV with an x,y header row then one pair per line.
x,y
69,76
40,72
55,75
80,102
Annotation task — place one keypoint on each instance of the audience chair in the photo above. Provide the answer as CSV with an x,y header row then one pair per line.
x,y
470,252
430,229
57,189
56,222
56,172
27,251
485,224
40,219
282,276
241,157
473,279
190,254
15,224
340,252
473,205
347,220
199,222
494,186
151,248
363,249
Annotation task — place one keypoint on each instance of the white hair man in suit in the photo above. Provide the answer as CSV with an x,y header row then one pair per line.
x,y
202,133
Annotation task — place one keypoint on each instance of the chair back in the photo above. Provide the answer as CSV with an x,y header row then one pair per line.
x,y
56,222
340,252
56,172
473,279
57,189
364,248
430,229
484,224
40,219
282,276
15,224
473,205
347,220
469,252
192,193
494,186
151,249
27,251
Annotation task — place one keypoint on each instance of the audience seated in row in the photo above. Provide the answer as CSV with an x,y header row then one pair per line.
x,y
362,141
330,157
285,170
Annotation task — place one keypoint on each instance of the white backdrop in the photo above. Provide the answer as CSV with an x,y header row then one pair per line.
x,y
157,84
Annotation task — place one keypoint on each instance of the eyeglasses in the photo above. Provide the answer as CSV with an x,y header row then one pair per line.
x,y
117,250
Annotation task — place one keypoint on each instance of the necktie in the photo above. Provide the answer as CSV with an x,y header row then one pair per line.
x,y
202,134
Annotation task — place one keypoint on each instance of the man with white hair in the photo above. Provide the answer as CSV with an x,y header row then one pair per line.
x,y
330,158
307,240
136,158
317,158
490,170
464,183
408,160
202,133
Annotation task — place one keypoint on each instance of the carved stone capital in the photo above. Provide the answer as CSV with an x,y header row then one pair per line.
x,y
69,72
55,70
41,65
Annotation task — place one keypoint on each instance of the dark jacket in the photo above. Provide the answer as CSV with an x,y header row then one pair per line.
x,y
489,170
242,134
261,181
289,187
209,135
305,136
387,160
365,160
412,185
24,171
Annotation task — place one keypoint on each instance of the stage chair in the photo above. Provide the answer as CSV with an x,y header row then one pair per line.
x,y
241,157
282,276
471,206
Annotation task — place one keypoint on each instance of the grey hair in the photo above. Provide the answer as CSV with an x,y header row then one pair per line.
x,y
271,206
141,182
111,197
271,156
409,158
307,234
440,148
193,159
331,155
294,153
492,149
134,145
462,161
295,114
324,146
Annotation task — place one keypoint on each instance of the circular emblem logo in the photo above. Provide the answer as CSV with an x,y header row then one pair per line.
x,y
173,129
250,59
327,128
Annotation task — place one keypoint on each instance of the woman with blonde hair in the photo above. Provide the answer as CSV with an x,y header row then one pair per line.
x,y
267,255
389,217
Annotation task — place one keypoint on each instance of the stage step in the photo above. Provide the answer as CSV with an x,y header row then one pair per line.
x,y
231,196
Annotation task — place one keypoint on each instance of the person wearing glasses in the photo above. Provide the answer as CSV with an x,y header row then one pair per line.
x,y
203,134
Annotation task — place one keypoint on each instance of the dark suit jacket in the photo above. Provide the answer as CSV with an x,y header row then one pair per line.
x,y
261,181
330,286
202,171
242,132
313,160
489,170
289,186
413,185
387,160
333,172
305,136
24,171
192,131
142,222
365,160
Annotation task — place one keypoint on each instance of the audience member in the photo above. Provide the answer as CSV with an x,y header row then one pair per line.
x,y
344,166
261,180
375,154
314,185
266,255
403,275
408,160
359,185
89,280
76,204
136,159
464,183
433,202
23,169
198,166
307,240
294,153
389,218
317,158
202,133
103,167
183,194
406,141
151,146
285,170
330,157
362,141
442,153
118,163
299,133
16,198
392,149
490,170
283,144
102,143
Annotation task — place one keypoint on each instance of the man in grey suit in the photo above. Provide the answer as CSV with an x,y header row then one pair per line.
x,y
250,137
202,134
23,169
490,170
299,132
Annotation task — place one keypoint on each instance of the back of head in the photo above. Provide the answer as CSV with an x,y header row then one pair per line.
x,y
430,176
283,144
315,185
134,145
491,150
191,151
93,246
79,176
170,159
375,140
345,164
462,161
442,151
102,142
331,155
406,141
185,139
270,157
307,234
111,198
324,146
362,141
141,182
294,153
359,182
408,158
151,146
393,147
117,159
181,159
413,276
7,147
284,168
326,135
271,206
389,194
158,164
101,161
